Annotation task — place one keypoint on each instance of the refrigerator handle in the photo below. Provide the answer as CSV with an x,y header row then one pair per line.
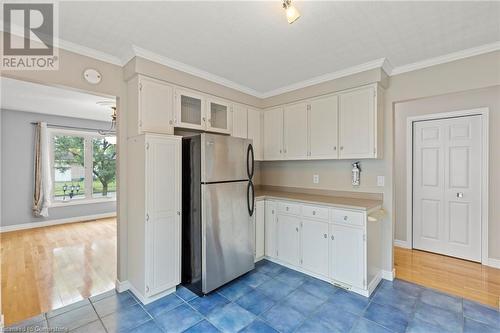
x,y
250,203
250,165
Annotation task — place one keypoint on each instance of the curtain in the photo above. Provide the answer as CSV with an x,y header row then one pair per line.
x,y
43,178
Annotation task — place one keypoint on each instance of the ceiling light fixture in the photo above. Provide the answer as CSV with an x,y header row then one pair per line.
x,y
292,14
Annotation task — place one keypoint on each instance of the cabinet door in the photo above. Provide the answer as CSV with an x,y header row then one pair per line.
x,y
323,128
273,134
289,239
347,255
270,229
295,131
357,123
259,229
218,116
255,132
240,122
315,246
155,106
163,214
190,110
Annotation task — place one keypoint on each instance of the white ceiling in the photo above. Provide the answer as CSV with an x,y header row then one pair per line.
x,y
31,97
251,46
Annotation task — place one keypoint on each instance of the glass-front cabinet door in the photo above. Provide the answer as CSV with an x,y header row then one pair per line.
x,y
218,116
190,110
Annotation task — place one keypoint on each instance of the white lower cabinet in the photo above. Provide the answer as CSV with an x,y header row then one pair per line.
x,y
315,246
289,239
347,255
270,229
328,243
154,221
259,215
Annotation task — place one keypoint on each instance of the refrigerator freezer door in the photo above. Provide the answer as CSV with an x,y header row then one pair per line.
x,y
223,158
228,247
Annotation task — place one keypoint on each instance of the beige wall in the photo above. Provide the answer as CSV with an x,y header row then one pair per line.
x,y
461,75
485,97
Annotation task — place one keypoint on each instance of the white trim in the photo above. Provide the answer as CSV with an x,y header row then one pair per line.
x,y
75,202
88,52
143,53
146,300
467,53
47,223
402,243
484,113
122,286
492,262
389,275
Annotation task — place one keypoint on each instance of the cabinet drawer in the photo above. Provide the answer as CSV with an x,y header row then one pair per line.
x,y
315,212
348,217
289,208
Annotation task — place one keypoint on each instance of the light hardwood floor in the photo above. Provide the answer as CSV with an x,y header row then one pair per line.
x,y
50,267
459,277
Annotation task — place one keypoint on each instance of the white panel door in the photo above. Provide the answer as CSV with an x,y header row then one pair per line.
x,y
156,106
295,131
270,229
447,186
240,121
347,255
357,110
323,128
255,132
273,134
289,239
315,246
163,209
259,229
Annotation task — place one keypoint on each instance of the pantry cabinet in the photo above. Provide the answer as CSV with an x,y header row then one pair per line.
x,y
154,220
323,128
273,134
151,106
295,131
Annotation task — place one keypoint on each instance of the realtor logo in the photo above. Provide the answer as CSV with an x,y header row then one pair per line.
x,y
28,36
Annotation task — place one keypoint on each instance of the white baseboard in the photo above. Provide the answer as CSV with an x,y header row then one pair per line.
x,y
122,286
47,223
389,275
402,243
492,262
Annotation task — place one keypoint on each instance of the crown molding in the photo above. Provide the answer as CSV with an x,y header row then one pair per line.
x,y
467,53
143,53
88,52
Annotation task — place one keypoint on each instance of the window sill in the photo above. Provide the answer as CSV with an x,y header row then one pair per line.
x,y
56,204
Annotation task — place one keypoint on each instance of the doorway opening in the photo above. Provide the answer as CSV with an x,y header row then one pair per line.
x,y
58,201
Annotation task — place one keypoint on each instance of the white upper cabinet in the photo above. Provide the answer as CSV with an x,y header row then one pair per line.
x,y
190,109
151,106
218,118
273,134
358,123
295,131
240,121
323,128
255,132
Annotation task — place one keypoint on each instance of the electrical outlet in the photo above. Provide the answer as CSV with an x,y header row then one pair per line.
x,y
316,179
380,181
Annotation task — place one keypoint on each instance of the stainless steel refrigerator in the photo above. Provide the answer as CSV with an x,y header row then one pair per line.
x,y
217,208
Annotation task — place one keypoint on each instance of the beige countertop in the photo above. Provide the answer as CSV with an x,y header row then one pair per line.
x,y
334,201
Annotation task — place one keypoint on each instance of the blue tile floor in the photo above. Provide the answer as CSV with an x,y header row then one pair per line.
x,y
273,298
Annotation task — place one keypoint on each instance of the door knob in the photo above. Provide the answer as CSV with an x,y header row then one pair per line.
x,y
460,194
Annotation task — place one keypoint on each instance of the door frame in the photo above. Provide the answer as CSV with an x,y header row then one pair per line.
x,y
484,114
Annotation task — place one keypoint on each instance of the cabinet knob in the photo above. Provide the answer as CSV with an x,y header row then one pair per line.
x,y
345,218
273,211
341,147
179,213
314,212
280,151
325,236
333,238
335,148
287,208
297,229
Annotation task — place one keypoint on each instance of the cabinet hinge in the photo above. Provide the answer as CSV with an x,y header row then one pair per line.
x,y
147,217
308,107
147,289
140,86
147,145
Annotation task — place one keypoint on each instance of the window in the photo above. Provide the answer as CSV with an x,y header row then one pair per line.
x,y
84,166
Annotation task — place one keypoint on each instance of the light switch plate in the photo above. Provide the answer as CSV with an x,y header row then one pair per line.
x,y
381,181
316,179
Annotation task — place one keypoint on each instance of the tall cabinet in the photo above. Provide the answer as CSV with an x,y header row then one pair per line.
x,y
154,221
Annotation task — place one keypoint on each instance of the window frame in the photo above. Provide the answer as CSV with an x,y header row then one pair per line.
x,y
87,136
